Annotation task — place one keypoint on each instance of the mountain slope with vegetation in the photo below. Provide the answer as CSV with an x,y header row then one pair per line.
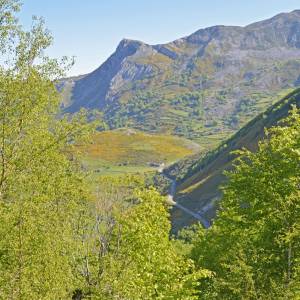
x,y
204,86
199,179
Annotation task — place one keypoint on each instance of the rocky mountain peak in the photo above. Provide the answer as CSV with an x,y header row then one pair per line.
x,y
129,44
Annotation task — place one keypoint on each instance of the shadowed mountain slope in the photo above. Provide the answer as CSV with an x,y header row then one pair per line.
x,y
199,180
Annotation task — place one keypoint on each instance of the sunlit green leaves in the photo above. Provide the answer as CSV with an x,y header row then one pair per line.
x,y
253,247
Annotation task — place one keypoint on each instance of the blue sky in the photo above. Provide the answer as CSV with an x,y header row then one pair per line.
x,y
91,29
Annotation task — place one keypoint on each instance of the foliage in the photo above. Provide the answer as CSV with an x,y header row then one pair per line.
x,y
41,190
136,259
253,247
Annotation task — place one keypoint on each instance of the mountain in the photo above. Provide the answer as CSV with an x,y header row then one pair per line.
x,y
204,86
199,179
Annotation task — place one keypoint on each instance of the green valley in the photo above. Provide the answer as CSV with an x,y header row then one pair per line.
x,y
132,151
171,172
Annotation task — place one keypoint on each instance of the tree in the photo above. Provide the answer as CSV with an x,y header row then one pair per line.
x,y
142,262
42,192
254,246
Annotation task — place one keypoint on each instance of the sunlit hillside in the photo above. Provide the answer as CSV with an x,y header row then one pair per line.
x,y
131,151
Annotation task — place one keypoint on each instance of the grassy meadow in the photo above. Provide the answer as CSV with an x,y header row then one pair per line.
x,y
116,152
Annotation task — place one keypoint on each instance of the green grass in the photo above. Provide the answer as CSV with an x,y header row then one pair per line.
x,y
117,152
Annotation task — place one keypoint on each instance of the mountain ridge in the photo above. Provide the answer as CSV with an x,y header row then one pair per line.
x,y
209,83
